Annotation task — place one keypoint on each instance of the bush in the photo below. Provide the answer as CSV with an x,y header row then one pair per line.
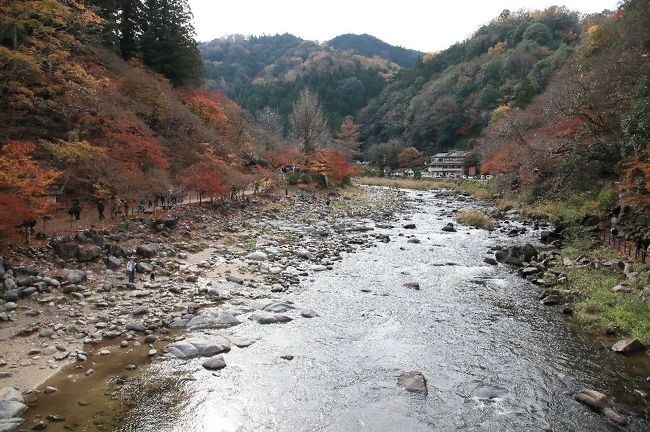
x,y
476,219
292,178
305,178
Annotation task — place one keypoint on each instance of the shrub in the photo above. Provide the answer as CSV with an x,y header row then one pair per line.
x,y
305,178
476,219
292,178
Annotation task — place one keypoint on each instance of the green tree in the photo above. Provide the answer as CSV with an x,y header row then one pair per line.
x,y
539,33
168,44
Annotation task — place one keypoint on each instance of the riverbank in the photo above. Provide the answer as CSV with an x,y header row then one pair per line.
x,y
67,302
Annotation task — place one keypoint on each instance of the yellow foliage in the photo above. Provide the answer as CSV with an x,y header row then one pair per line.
x,y
499,112
75,152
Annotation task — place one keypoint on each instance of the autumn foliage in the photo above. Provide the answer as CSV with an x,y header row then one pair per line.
x,y
331,163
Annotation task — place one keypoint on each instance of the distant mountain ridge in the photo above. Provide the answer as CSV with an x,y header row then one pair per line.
x,y
370,46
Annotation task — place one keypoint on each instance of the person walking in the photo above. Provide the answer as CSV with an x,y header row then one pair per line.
x,y
130,270
100,210
75,210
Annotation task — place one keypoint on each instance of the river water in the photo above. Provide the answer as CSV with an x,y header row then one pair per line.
x,y
494,358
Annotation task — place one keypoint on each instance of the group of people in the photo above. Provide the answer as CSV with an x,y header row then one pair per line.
x,y
119,207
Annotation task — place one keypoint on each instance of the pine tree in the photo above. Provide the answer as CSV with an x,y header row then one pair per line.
x,y
168,45
130,27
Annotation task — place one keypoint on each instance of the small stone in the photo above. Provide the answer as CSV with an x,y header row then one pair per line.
x,y
152,352
309,313
124,344
215,363
412,285
40,425
84,403
130,367
413,381
90,372
55,418
287,357
150,339
104,352
50,389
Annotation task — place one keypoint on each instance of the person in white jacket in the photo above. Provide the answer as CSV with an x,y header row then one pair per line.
x,y
130,270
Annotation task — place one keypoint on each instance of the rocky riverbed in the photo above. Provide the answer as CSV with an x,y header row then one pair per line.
x,y
298,316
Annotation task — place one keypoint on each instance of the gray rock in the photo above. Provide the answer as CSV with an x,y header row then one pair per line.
x,y
11,393
413,381
278,307
113,262
409,226
76,276
257,256
12,295
309,313
141,310
136,326
11,408
196,347
215,363
144,267
628,346
148,250
89,253
268,318
305,254
213,319
449,228
412,285
66,250
235,279
10,284
10,424
490,260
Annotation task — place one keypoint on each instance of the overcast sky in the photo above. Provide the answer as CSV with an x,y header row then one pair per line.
x,y
425,25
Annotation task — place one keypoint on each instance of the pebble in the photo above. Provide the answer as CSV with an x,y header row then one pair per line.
x,y
50,389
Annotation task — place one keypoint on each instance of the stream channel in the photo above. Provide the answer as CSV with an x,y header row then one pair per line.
x,y
495,359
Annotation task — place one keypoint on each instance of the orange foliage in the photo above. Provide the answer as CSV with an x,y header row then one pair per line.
x,y
13,211
21,175
504,160
206,177
331,163
637,181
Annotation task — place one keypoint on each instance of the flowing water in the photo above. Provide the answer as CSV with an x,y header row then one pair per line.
x,y
494,358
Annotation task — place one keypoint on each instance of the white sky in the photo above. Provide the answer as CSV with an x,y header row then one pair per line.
x,y
425,25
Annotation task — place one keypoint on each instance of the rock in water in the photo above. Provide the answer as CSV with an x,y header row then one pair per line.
x,y
215,363
449,228
413,381
409,226
412,285
309,313
598,402
628,346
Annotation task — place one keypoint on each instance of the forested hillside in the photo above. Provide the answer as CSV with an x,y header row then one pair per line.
x,y
589,131
450,96
100,100
272,70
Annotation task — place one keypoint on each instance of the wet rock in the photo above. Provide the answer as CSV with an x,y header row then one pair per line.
x,y
412,285
598,402
213,319
449,228
40,425
628,346
55,418
215,363
89,253
552,300
196,347
490,260
308,313
413,381
50,390
287,357
150,339
549,236
409,226
152,352
11,409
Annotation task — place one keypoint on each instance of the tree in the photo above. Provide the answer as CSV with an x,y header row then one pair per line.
x,y
168,45
539,33
269,128
332,164
308,125
21,176
347,138
206,177
409,157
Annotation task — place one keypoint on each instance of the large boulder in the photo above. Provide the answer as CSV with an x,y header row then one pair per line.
x,y
116,250
143,267
89,253
66,250
147,250
113,262
10,409
11,295
516,255
213,319
75,276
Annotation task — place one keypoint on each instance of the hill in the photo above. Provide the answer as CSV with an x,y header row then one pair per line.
x,y
370,46
260,71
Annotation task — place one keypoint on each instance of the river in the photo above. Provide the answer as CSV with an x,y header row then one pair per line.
x,y
495,359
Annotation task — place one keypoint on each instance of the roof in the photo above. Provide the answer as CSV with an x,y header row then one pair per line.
x,y
453,153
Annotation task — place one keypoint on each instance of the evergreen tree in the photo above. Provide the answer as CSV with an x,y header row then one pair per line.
x,y
130,27
168,45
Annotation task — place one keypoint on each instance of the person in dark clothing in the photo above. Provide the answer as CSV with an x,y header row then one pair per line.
x,y
100,210
75,210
